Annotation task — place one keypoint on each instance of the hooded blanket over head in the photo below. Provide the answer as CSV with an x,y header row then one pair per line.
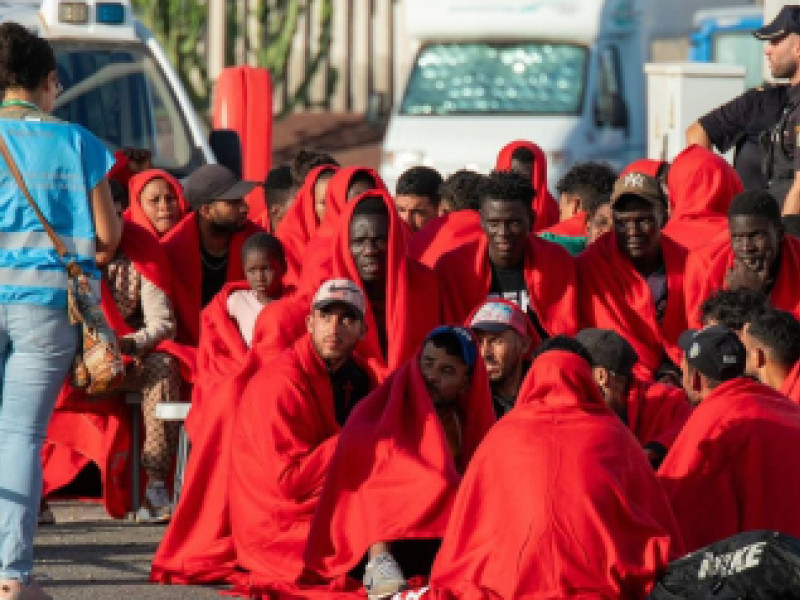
x,y
701,186
558,502
615,296
135,212
392,476
733,467
465,275
545,207
443,234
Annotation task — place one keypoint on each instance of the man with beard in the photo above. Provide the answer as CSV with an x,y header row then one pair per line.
x,y
205,248
505,337
761,123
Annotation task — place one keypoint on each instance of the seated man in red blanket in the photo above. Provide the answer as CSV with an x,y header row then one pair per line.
x,y
654,412
507,261
772,339
755,254
733,467
631,280
286,431
205,248
398,464
558,501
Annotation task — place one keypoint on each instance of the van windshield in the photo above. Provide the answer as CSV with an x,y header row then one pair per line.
x,y
118,92
477,78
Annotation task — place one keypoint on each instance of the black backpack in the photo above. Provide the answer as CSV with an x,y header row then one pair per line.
x,y
757,565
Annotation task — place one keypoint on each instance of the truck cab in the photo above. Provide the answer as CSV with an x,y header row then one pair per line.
x,y
117,80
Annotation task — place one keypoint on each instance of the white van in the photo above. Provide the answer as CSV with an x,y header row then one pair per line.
x,y
565,74
117,80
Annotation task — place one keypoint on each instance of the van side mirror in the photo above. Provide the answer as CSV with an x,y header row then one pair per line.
x,y
610,111
227,148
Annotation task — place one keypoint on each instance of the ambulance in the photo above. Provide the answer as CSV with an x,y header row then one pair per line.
x,y
117,80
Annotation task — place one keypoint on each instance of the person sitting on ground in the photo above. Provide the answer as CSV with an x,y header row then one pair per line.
x,y
279,195
772,340
205,248
156,201
632,279
264,266
507,262
417,196
505,338
731,308
654,412
458,224
286,431
398,464
755,254
529,160
583,185
558,501
733,467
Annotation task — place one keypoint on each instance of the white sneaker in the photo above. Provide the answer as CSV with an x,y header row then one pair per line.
x,y
157,505
383,577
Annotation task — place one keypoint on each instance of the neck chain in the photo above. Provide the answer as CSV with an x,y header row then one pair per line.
x,y
213,262
19,104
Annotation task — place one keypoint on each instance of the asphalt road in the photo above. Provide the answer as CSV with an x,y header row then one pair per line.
x,y
89,556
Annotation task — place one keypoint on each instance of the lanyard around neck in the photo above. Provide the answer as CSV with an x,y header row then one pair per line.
x,y
18,103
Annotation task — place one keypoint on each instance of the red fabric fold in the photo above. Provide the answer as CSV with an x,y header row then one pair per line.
x,y
392,476
465,275
575,226
614,296
657,412
733,466
545,207
558,502
443,234
648,166
791,385
701,186
135,212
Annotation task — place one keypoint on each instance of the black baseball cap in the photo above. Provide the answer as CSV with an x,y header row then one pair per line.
x,y
787,21
609,350
715,351
215,182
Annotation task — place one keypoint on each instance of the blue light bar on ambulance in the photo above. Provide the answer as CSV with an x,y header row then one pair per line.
x,y
73,12
110,13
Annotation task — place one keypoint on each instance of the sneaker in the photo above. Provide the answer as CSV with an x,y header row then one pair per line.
x,y
16,590
157,505
383,577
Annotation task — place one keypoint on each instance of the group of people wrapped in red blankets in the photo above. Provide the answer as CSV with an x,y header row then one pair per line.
x,y
468,390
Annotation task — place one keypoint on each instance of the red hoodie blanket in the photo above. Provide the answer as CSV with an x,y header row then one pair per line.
x,y
733,468
413,300
444,234
197,546
573,227
300,223
614,296
707,268
558,502
701,186
82,430
656,412
135,212
392,476
182,246
285,435
545,207
466,278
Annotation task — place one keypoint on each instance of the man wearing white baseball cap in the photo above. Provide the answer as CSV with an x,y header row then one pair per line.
x,y
287,428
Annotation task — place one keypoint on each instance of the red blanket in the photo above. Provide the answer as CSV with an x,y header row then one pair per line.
x,y
733,468
791,385
648,166
285,435
558,502
392,476
466,277
614,296
182,246
545,207
413,301
707,268
444,234
572,227
701,186
135,212
656,412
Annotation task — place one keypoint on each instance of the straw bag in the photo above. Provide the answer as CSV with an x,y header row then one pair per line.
x,y
98,367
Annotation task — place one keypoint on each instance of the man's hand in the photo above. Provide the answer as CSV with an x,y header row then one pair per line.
x,y
741,276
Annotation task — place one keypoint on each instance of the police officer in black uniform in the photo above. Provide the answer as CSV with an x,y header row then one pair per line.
x,y
762,124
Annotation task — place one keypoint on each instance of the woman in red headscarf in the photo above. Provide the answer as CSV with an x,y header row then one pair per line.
x,y
156,201
526,158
